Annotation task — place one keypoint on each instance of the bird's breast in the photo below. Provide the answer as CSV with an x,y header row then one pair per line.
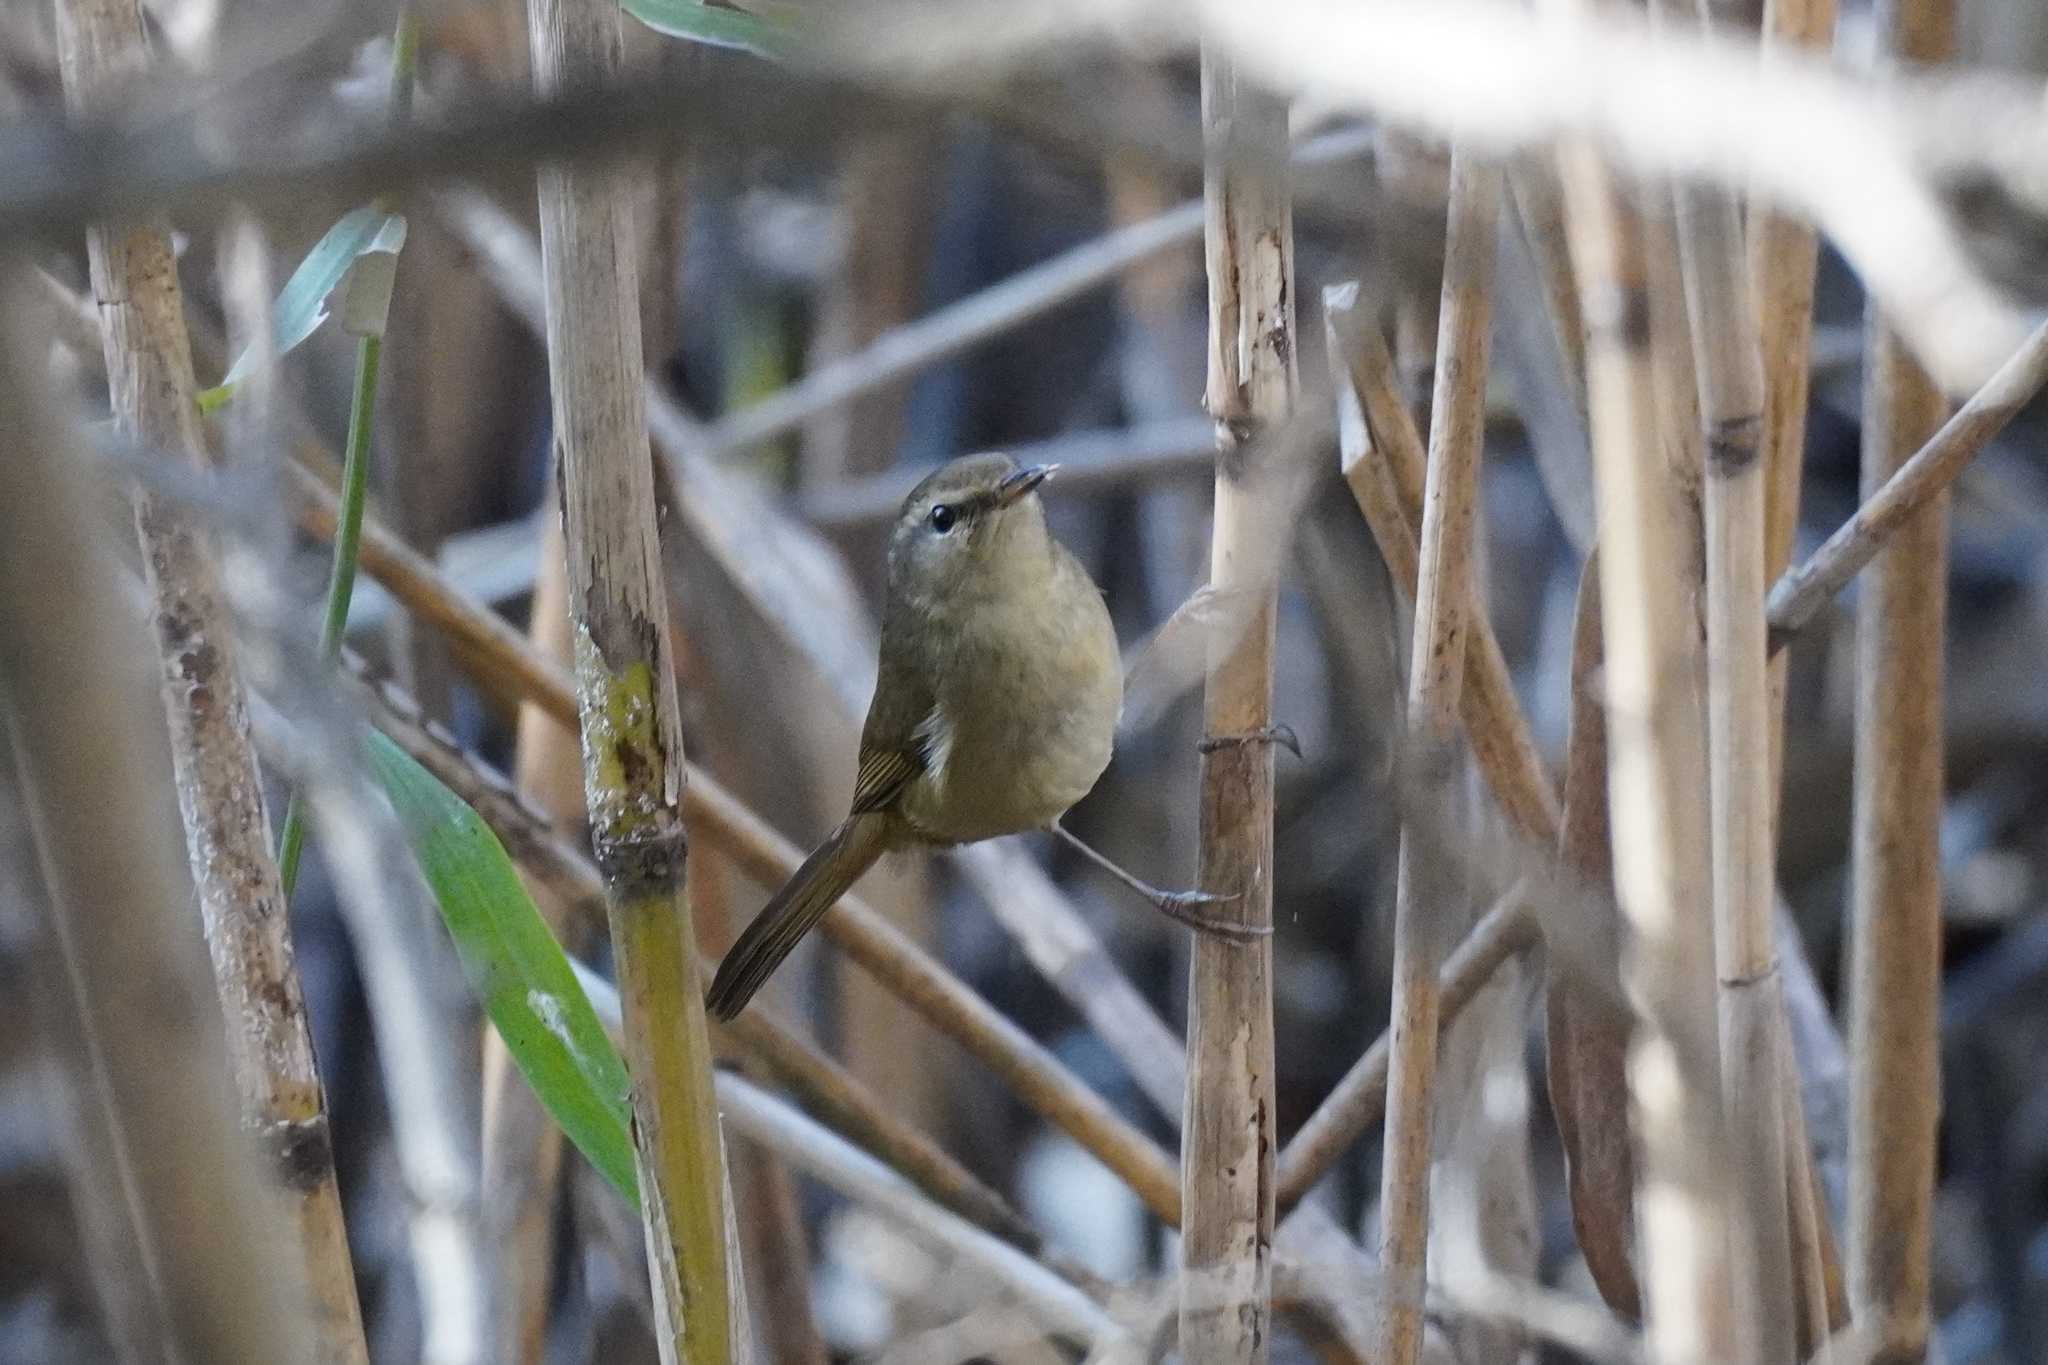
x,y
1024,723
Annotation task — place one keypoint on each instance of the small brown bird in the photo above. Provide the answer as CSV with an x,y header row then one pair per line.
x,y
995,707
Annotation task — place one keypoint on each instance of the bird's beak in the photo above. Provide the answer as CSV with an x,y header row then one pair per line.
x,y
1022,482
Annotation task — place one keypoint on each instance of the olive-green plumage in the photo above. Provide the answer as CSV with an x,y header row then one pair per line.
x,y
995,706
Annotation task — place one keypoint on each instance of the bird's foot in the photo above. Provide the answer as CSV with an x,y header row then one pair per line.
x,y
1282,735
1184,907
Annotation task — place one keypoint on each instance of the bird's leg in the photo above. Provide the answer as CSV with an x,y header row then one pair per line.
x,y
1282,735
1182,907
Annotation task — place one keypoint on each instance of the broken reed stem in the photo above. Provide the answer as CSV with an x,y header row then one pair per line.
x,y
1228,1138
1426,895
632,734
220,796
1657,767
1729,373
522,1146
1384,466
204,1201
1895,878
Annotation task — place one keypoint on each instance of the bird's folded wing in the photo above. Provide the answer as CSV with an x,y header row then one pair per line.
x,y
883,775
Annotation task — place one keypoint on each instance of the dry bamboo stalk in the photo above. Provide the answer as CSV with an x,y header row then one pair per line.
x,y
1783,258
1784,253
522,1147
1729,373
1657,766
632,734
149,366
1895,877
88,758
1443,607
1228,1123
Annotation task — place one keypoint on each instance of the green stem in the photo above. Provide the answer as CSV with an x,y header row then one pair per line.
x,y
341,583
355,467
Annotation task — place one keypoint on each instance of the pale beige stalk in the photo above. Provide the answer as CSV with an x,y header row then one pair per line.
x,y
1895,854
1443,605
1228,1133
1657,770
1729,373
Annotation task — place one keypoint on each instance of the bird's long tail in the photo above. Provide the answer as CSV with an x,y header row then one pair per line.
x,y
803,900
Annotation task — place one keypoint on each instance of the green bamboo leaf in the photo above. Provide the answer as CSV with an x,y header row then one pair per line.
x,y
514,965
713,25
302,304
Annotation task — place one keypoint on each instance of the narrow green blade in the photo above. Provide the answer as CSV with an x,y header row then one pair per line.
x,y
514,965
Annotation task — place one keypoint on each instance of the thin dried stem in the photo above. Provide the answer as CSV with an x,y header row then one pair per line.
x,y
1228,1138
220,795
1657,767
632,733
1730,380
1894,504
1895,927
205,1204
1427,894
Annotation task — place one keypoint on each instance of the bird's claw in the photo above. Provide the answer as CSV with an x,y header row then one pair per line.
x,y
1280,734
1183,907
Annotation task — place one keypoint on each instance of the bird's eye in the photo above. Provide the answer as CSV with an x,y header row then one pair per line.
x,y
942,518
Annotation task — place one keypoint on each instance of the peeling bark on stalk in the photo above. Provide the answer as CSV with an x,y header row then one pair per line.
x,y
1228,1134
